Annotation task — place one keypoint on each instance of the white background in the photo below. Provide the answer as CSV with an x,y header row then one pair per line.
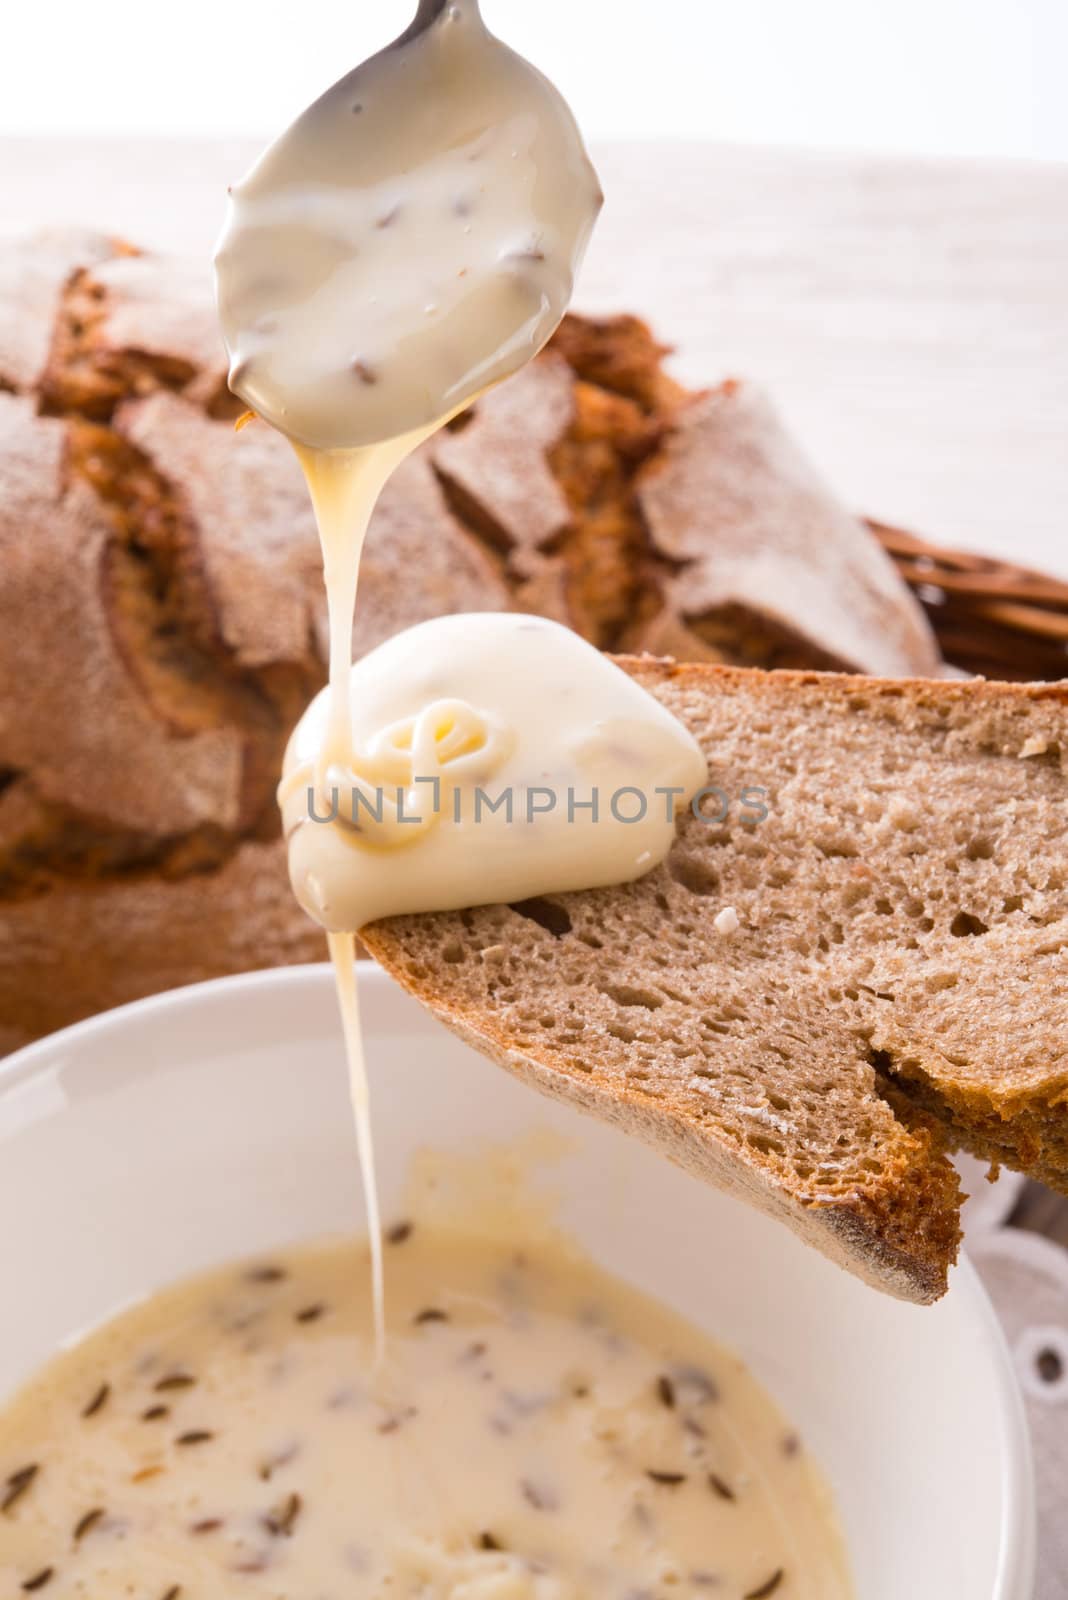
x,y
956,77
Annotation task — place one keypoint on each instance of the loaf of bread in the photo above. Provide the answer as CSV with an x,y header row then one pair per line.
x,y
162,619
811,1007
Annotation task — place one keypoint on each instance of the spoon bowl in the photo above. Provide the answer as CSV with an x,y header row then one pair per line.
x,y
410,240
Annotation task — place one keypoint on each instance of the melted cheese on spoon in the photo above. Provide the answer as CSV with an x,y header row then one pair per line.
x,y
409,241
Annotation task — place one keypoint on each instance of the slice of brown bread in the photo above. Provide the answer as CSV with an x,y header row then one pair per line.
x,y
898,980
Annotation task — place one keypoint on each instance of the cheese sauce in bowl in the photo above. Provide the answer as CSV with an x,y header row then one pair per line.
x,y
539,1432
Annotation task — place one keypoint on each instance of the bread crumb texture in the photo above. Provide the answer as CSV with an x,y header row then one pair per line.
x,y
162,622
897,984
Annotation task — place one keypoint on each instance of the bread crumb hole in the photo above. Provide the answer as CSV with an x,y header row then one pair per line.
x,y
548,914
732,1012
965,926
837,845
980,849
627,995
453,952
618,1031
698,876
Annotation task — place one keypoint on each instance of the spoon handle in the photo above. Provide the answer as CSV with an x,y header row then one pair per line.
x,y
428,12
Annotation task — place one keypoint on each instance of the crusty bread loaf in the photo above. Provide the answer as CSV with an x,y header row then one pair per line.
x,y
897,981
161,608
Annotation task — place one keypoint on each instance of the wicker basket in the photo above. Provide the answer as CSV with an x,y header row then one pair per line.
x,y
991,618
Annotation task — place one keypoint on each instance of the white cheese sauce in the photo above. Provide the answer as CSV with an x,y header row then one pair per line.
x,y
540,1432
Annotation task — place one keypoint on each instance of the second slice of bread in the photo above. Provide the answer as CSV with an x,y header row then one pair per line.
x,y
896,984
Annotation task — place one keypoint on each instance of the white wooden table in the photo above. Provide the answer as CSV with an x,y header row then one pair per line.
x,y
910,318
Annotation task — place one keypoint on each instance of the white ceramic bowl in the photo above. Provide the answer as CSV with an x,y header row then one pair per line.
x,y
213,1122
